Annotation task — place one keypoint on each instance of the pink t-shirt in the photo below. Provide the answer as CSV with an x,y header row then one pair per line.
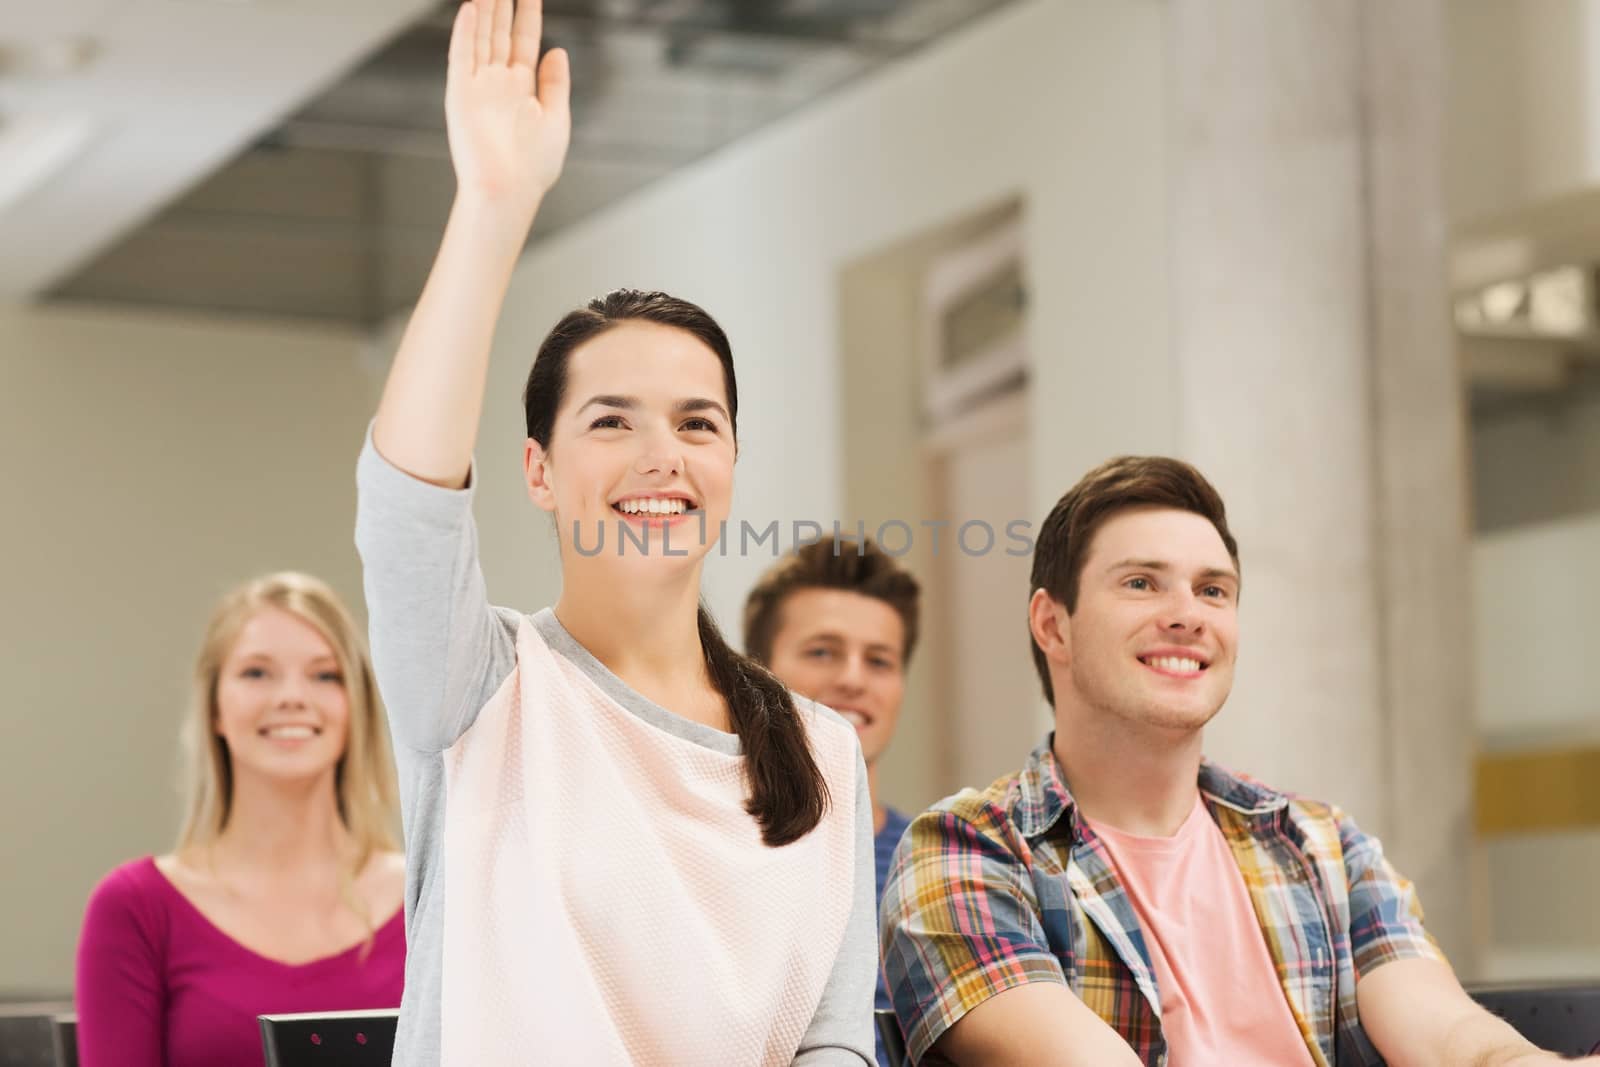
x,y
1220,997
159,986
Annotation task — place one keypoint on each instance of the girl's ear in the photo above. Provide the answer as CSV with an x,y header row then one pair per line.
x,y
536,474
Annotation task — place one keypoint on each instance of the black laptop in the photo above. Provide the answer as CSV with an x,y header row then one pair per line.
x,y
66,1033
1560,1018
348,1038
28,1034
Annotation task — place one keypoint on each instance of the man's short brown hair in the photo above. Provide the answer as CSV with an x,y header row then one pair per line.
x,y
833,563
1117,484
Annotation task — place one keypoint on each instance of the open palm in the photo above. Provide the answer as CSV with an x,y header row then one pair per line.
x,y
506,112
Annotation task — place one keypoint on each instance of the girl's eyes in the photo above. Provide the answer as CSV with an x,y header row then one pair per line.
x,y
615,422
254,673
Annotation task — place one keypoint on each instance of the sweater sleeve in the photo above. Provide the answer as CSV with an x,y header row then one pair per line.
x,y
120,982
841,1033
439,649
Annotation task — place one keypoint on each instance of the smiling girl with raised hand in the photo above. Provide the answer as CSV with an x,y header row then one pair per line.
x,y
626,843
284,894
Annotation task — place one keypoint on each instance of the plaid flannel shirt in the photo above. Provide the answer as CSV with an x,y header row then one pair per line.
x,y
994,889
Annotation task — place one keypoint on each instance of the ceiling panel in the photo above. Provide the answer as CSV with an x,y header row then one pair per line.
x,y
334,213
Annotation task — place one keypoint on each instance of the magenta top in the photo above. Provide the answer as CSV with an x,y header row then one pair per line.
x,y
160,986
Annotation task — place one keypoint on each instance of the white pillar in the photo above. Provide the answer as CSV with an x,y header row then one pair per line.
x,y
1317,387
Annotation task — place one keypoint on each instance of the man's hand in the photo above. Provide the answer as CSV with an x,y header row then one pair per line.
x,y
1418,1015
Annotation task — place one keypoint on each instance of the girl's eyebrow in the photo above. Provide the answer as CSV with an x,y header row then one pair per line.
x,y
631,403
700,403
608,400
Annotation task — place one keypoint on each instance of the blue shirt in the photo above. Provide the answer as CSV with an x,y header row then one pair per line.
x,y
883,845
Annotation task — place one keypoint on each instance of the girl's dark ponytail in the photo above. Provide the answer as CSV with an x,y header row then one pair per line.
x,y
788,794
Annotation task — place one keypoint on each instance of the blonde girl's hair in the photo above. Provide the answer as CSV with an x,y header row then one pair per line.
x,y
364,778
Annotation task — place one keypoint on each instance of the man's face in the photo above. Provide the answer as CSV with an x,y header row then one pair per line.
x,y
1155,633
844,650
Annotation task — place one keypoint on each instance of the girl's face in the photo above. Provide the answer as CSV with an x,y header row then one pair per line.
x,y
281,701
640,464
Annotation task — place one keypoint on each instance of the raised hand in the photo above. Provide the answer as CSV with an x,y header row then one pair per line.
x,y
509,126
506,112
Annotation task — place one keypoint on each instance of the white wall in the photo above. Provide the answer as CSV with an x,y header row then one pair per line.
x,y
149,462
1536,581
1536,587
892,472
1538,462
1525,103
1524,161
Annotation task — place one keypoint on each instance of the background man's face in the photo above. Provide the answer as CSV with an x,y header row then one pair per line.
x,y
844,650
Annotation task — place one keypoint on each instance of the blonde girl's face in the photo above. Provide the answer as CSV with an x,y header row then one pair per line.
x,y
282,706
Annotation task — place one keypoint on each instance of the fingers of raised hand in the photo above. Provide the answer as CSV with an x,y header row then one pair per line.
x,y
484,25
525,34
555,84
500,39
463,38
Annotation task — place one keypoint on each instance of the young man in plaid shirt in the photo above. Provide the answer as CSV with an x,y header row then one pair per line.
x,y
1123,901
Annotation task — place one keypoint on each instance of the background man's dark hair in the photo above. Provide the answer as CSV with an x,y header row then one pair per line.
x,y
853,566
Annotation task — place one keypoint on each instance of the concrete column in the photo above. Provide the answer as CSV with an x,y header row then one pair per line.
x,y
1317,386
